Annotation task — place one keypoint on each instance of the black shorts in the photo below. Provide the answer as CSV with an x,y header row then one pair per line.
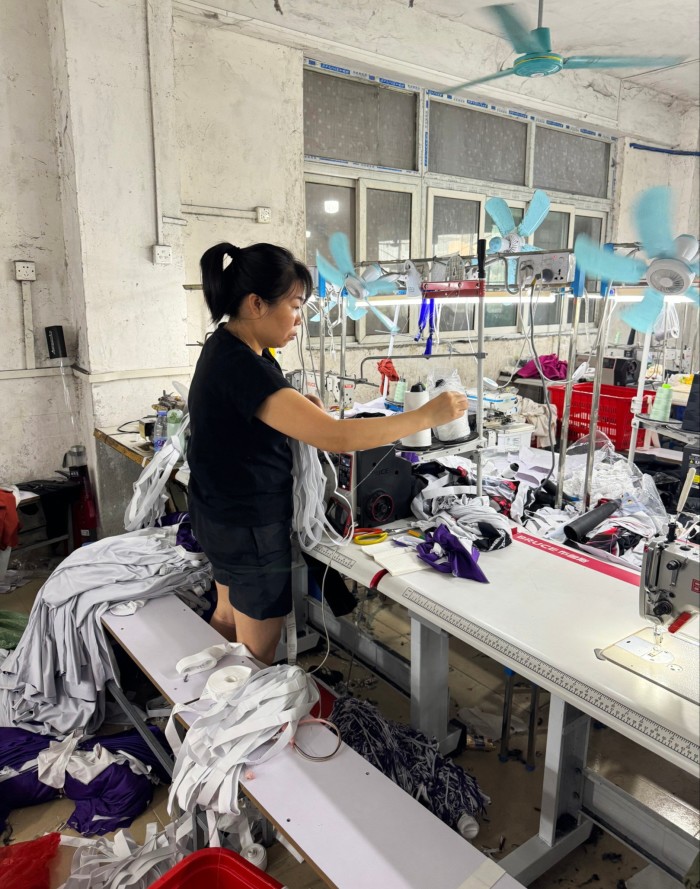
x,y
254,563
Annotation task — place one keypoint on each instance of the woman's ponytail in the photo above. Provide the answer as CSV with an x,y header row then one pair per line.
x,y
216,278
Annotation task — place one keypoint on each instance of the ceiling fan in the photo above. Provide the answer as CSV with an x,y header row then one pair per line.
x,y
537,59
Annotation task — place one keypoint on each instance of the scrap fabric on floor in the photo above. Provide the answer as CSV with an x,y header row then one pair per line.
x,y
110,779
54,682
410,759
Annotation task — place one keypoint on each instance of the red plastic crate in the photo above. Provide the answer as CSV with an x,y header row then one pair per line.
x,y
614,414
215,869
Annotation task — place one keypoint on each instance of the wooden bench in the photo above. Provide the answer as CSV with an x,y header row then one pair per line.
x,y
353,825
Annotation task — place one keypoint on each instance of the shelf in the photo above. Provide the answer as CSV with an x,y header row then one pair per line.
x,y
673,432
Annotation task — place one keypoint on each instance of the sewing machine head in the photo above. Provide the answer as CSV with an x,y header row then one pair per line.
x,y
669,591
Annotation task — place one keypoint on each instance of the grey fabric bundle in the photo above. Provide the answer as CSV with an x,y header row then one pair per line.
x,y
55,679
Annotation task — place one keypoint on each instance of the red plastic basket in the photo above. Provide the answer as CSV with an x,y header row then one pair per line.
x,y
614,414
215,869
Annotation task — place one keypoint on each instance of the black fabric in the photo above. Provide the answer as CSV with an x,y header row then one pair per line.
x,y
241,469
254,563
691,415
339,598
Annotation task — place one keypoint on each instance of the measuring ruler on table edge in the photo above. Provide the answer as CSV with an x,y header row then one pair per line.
x,y
684,747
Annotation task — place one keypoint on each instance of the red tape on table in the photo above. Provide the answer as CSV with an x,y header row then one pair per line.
x,y
574,555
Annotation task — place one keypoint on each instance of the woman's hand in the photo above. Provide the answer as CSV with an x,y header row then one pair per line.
x,y
445,408
314,399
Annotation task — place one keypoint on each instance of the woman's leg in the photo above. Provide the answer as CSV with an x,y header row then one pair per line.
x,y
223,619
259,636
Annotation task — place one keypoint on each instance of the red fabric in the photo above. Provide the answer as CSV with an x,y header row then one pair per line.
x,y
388,371
26,865
9,522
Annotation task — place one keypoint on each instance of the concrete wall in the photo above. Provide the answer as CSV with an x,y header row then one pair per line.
x,y
114,124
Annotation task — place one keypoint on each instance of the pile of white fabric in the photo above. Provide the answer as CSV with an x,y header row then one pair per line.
x,y
55,679
255,722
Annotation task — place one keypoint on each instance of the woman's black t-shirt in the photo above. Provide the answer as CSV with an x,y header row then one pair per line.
x,y
240,468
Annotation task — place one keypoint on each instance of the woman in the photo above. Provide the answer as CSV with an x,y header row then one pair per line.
x,y
242,412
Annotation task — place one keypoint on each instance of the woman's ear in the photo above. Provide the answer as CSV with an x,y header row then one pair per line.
x,y
253,307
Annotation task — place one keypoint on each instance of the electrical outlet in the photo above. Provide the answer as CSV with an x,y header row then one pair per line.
x,y
24,270
555,269
263,214
162,254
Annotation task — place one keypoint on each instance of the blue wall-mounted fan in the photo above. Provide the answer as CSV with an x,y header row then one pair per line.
x,y
671,267
537,58
512,239
356,286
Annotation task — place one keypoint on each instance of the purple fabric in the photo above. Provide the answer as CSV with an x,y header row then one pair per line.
x,y
18,746
110,801
552,367
455,559
185,538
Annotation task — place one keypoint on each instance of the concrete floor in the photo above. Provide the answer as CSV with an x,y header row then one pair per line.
x,y
475,681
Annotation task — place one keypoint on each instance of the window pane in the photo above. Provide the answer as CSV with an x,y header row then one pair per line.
x,y
329,208
351,121
455,226
499,314
570,163
388,237
553,234
593,227
476,145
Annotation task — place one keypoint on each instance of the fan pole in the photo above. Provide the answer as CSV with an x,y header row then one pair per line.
x,y
595,400
322,350
638,401
343,301
564,440
540,14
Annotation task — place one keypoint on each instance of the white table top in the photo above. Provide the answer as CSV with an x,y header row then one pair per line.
x,y
354,825
543,613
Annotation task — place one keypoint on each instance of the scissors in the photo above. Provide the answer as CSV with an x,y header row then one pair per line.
x,y
369,536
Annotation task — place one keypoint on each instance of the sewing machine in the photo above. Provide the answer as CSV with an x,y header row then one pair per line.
x,y
669,597
669,591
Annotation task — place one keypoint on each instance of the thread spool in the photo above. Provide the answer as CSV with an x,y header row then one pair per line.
x,y
661,408
255,854
400,392
226,681
417,397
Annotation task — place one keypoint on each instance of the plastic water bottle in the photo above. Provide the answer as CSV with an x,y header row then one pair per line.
x,y
174,417
160,430
661,409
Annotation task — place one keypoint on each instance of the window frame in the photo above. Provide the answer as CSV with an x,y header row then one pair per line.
x,y
424,186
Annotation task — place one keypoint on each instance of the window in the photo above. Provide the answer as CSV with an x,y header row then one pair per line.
x,y
553,234
593,227
388,236
350,121
476,145
500,314
363,140
329,208
570,163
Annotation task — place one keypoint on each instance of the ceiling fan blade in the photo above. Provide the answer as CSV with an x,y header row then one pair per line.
x,y
463,86
534,216
339,245
652,215
599,263
328,271
515,29
642,316
622,61
499,211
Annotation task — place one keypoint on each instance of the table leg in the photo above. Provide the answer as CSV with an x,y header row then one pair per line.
x,y
430,696
562,828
